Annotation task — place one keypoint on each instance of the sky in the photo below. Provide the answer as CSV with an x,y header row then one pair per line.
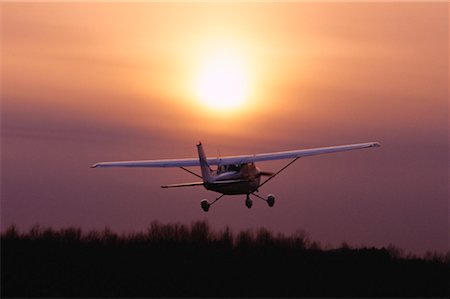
x,y
88,82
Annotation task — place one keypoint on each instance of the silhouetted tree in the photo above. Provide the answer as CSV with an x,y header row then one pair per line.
x,y
177,260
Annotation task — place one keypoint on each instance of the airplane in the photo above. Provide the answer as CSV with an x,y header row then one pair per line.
x,y
234,174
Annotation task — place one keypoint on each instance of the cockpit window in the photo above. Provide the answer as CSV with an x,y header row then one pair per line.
x,y
234,167
231,167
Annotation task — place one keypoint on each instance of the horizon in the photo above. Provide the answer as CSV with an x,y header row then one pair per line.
x,y
89,82
200,230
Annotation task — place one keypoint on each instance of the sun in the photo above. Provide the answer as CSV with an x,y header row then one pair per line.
x,y
222,83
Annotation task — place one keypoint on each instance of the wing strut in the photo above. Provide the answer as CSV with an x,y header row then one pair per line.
x,y
273,175
191,172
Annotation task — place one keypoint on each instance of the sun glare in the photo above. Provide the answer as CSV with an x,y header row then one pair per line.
x,y
223,82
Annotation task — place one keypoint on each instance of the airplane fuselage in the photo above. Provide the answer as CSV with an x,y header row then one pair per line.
x,y
245,179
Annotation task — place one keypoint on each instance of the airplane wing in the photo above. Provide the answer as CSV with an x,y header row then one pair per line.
x,y
240,159
151,163
295,153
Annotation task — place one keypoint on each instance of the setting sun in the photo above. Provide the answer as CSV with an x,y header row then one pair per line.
x,y
223,81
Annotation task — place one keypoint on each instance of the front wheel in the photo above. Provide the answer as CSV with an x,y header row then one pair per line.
x,y
248,203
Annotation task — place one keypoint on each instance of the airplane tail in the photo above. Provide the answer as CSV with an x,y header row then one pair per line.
x,y
204,166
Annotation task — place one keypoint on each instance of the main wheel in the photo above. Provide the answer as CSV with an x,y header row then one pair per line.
x,y
270,200
205,205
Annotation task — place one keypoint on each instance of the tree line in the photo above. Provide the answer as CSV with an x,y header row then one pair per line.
x,y
178,260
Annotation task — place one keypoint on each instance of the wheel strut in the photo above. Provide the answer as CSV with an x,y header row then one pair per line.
x,y
270,199
205,204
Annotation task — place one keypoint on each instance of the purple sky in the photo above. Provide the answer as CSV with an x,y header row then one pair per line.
x,y
83,83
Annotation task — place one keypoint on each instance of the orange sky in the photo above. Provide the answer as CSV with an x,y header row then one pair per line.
x,y
118,80
142,60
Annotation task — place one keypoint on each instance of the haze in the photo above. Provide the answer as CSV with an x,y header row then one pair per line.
x,y
85,82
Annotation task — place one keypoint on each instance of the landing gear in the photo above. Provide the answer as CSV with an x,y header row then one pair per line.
x,y
248,202
205,204
270,200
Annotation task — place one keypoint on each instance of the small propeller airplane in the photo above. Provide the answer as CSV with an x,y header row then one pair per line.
x,y
234,174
